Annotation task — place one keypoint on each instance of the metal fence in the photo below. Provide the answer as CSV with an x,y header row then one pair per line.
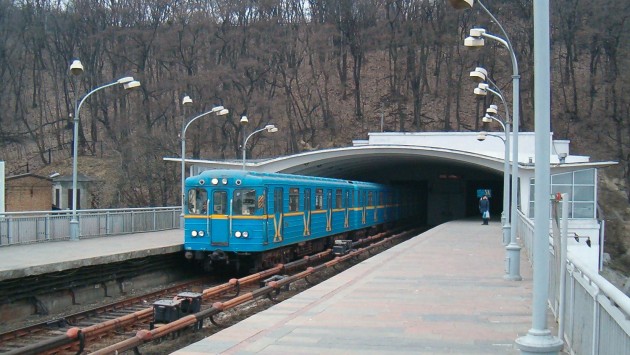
x,y
39,226
593,315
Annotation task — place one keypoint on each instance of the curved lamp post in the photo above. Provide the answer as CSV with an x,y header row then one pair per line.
x,y
219,111
128,83
476,39
269,128
539,339
505,218
186,101
480,74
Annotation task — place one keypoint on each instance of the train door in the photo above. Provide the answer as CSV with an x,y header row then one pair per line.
x,y
347,206
363,203
307,212
329,210
219,223
278,209
262,203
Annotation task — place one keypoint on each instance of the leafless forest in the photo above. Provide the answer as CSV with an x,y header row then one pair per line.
x,y
323,71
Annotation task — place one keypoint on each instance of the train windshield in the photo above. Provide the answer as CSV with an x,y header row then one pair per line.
x,y
197,201
244,202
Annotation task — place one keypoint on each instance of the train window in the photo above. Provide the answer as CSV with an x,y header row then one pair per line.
x,y
219,204
307,199
380,198
244,202
319,199
370,198
197,201
294,199
338,196
348,199
277,200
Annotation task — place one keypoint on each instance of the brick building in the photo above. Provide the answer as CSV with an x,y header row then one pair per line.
x,y
28,192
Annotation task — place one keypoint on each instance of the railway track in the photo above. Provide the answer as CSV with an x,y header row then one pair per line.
x,y
129,324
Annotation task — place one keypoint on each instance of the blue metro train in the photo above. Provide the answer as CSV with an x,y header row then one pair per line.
x,y
255,220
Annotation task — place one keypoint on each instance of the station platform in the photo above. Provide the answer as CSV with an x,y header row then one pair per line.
x,y
441,292
42,258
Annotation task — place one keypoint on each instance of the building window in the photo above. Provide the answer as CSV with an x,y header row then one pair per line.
x,y
78,199
580,187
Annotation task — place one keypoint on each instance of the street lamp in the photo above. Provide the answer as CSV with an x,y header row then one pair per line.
x,y
128,83
269,128
505,218
186,100
476,39
538,339
219,111
481,75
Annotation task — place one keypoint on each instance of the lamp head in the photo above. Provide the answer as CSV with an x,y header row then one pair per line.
x,y
588,241
476,38
187,100
477,32
486,119
216,109
461,4
223,112
125,80
492,110
132,85
479,74
76,68
483,86
273,130
481,136
244,121
480,92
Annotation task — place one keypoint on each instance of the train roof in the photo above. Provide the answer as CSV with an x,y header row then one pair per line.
x,y
278,177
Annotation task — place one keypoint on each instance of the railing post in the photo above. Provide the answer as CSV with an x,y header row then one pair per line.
x,y
47,227
596,310
133,222
108,230
154,220
9,230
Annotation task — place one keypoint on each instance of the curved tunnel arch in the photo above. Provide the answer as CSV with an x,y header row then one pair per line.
x,y
447,179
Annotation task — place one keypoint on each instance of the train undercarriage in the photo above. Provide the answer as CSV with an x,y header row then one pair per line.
x,y
252,262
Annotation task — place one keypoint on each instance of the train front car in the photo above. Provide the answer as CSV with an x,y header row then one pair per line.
x,y
225,215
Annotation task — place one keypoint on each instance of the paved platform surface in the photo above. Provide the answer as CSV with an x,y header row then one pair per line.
x,y
42,258
441,292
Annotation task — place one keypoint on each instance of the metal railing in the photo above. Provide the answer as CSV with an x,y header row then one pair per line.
x,y
596,315
41,226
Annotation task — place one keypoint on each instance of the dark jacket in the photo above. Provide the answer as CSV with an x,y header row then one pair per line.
x,y
484,205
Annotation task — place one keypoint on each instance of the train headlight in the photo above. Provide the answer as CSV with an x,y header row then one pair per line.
x,y
193,233
202,233
237,234
214,181
224,181
245,234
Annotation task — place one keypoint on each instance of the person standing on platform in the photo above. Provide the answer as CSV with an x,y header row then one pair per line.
x,y
484,208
